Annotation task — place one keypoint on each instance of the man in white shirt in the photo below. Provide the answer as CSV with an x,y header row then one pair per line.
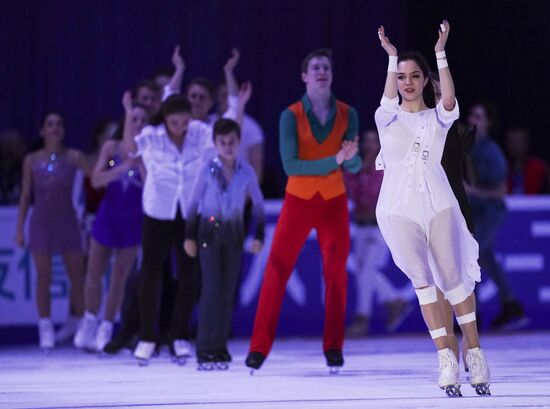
x,y
173,153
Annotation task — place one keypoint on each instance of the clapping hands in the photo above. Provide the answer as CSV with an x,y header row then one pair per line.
x,y
348,150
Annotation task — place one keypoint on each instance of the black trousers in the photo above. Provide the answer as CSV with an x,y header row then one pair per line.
x,y
160,237
220,265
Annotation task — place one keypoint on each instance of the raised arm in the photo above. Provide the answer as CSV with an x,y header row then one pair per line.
x,y
245,92
174,85
103,174
390,89
24,201
445,78
233,107
128,131
229,72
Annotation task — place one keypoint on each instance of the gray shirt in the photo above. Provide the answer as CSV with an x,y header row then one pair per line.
x,y
221,204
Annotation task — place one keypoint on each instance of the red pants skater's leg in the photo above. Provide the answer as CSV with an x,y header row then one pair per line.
x,y
334,241
293,227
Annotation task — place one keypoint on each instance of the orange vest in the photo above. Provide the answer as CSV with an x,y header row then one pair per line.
x,y
331,185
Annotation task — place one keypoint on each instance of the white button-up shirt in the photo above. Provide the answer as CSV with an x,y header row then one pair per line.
x,y
171,173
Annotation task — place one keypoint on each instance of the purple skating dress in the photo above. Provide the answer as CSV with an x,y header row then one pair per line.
x,y
53,226
120,215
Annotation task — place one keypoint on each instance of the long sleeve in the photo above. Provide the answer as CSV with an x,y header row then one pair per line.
x,y
353,165
386,112
192,217
258,211
288,146
232,107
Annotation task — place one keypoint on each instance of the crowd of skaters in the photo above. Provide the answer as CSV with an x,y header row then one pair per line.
x,y
138,192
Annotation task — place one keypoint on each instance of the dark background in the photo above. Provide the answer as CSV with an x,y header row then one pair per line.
x,y
79,56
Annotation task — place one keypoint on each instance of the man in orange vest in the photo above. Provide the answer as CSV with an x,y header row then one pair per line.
x,y
317,139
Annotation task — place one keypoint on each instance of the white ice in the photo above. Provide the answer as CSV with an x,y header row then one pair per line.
x,y
382,372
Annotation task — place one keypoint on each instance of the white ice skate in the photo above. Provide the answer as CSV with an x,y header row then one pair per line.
x,y
104,335
478,375
182,351
85,335
143,352
46,334
449,373
67,330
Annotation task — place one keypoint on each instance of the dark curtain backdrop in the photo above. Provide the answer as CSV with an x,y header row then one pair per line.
x,y
499,50
79,56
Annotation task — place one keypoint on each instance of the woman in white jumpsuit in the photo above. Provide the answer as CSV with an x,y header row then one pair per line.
x,y
417,211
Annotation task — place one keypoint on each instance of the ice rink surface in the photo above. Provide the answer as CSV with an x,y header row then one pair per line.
x,y
380,372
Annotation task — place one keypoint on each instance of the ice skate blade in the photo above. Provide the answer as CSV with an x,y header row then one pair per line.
x,y
252,371
142,362
482,389
222,366
334,370
179,360
47,351
452,391
206,367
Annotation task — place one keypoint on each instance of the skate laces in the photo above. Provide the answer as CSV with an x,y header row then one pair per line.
x,y
477,365
446,361
448,368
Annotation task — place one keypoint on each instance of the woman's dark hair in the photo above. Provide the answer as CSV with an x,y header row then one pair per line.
x,y
119,133
47,114
428,92
144,84
175,104
206,84
493,116
321,52
225,126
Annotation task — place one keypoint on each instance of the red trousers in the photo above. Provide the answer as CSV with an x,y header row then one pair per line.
x,y
331,220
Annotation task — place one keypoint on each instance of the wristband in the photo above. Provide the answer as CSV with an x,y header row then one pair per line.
x,y
392,63
440,54
442,63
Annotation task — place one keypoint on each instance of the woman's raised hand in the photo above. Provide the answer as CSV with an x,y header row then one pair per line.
x,y
444,29
385,42
127,101
177,59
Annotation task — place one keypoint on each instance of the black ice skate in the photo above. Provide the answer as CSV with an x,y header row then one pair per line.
x,y
335,360
254,361
205,361
223,358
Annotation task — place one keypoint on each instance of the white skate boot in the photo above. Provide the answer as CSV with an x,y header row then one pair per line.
x,y
85,335
449,373
143,352
104,335
479,375
182,351
67,330
46,334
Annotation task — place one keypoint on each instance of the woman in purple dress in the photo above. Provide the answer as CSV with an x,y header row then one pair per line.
x,y
48,177
116,230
